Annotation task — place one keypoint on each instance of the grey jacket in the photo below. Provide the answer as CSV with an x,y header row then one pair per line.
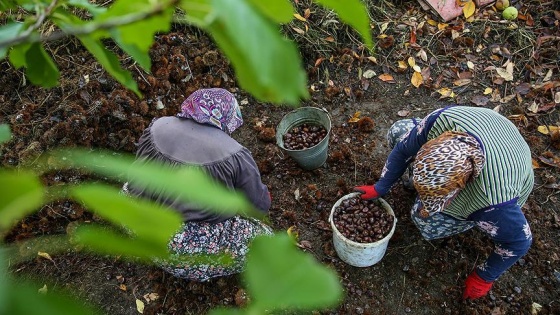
x,y
179,141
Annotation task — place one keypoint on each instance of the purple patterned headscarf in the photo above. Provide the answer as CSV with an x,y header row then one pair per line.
x,y
216,107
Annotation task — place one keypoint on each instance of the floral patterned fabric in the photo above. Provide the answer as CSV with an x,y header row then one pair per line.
x,y
216,107
231,237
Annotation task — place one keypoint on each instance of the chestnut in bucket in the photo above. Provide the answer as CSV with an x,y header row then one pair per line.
x,y
362,221
304,136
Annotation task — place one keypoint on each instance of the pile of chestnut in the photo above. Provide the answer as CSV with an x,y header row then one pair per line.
x,y
304,136
362,221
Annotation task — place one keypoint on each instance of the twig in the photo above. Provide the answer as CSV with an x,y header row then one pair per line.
x,y
27,36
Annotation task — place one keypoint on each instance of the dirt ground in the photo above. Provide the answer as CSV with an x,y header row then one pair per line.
x,y
89,109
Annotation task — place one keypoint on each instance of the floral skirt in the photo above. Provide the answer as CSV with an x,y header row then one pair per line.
x,y
231,237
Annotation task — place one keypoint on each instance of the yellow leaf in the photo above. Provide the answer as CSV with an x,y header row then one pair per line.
x,y
382,36
432,22
417,79
487,91
411,61
45,255
122,287
446,92
547,129
307,13
293,233
402,64
372,59
355,118
299,17
140,306
417,68
384,27
468,9
442,26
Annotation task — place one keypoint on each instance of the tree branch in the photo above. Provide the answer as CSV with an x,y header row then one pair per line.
x,y
27,36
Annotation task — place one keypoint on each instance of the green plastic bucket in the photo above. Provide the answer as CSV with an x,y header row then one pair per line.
x,y
309,158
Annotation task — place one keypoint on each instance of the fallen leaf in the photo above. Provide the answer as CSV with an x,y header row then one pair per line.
x,y
461,82
384,27
403,112
293,233
557,97
468,9
369,74
535,163
296,194
307,13
548,75
385,77
122,287
470,65
523,88
402,64
554,161
298,30
480,100
411,61
45,255
422,54
151,297
140,306
417,68
299,17
547,129
535,308
329,39
504,74
487,91
244,102
372,59
533,108
355,117
417,79
446,92
386,41
304,245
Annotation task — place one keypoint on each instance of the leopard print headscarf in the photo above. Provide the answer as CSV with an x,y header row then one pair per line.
x,y
443,166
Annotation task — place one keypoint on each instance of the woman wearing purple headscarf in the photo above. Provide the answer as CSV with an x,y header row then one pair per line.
x,y
200,135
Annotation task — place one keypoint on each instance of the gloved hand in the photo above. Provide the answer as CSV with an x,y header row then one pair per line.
x,y
368,192
476,287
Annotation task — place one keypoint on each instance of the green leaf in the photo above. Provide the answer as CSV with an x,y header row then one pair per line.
x,y
137,38
280,276
267,65
280,11
199,12
112,205
110,62
17,55
227,311
353,13
23,299
5,133
188,184
85,4
7,32
41,69
3,281
25,250
21,194
7,5
105,241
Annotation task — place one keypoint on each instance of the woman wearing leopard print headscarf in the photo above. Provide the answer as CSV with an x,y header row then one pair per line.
x,y
200,135
471,168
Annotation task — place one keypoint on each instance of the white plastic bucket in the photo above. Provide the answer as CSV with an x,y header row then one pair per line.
x,y
360,254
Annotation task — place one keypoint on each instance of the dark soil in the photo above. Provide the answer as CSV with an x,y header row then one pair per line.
x,y
89,109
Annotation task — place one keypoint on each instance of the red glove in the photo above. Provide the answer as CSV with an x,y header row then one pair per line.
x,y
368,192
476,287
